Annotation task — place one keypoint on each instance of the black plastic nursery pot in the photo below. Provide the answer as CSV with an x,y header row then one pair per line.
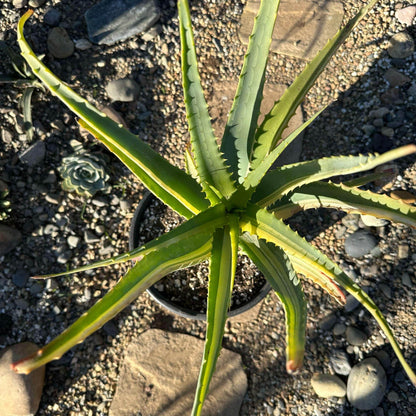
x,y
162,298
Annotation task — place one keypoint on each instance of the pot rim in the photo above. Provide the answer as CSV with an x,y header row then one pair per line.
x,y
183,311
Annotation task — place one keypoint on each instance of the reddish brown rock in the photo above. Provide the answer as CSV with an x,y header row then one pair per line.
x,y
19,393
303,27
160,373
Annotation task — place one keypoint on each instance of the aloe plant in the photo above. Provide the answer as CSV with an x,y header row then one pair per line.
x,y
232,200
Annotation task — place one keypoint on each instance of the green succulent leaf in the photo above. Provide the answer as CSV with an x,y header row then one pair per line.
x,y
279,272
353,200
208,160
172,185
151,268
270,131
246,189
282,180
221,281
237,143
26,105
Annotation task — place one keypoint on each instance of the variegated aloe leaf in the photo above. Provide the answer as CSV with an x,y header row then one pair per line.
x,y
151,268
213,195
208,160
221,281
278,270
205,222
354,200
265,225
172,185
321,279
282,180
270,131
237,142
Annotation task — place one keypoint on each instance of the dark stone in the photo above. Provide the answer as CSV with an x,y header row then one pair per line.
x,y
381,143
9,239
34,154
20,278
111,21
6,324
110,328
52,17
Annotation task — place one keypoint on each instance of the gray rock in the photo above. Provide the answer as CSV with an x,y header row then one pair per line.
x,y
162,369
111,21
315,23
355,336
52,17
327,322
83,44
19,394
406,15
395,78
360,243
90,237
366,384
34,154
401,45
125,204
328,385
73,241
124,89
9,239
339,329
339,362
60,44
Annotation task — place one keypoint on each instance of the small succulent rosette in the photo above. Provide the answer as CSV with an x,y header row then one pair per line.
x,y
85,173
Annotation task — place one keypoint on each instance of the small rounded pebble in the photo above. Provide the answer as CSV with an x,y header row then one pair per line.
x,y
52,17
328,385
59,43
340,363
355,336
20,278
360,243
366,384
124,89
401,45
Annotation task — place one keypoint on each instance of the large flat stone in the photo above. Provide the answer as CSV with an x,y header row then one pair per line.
x,y
160,373
111,21
220,104
303,26
19,393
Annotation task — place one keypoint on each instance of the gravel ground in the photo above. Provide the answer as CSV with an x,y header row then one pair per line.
x,y
84,380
